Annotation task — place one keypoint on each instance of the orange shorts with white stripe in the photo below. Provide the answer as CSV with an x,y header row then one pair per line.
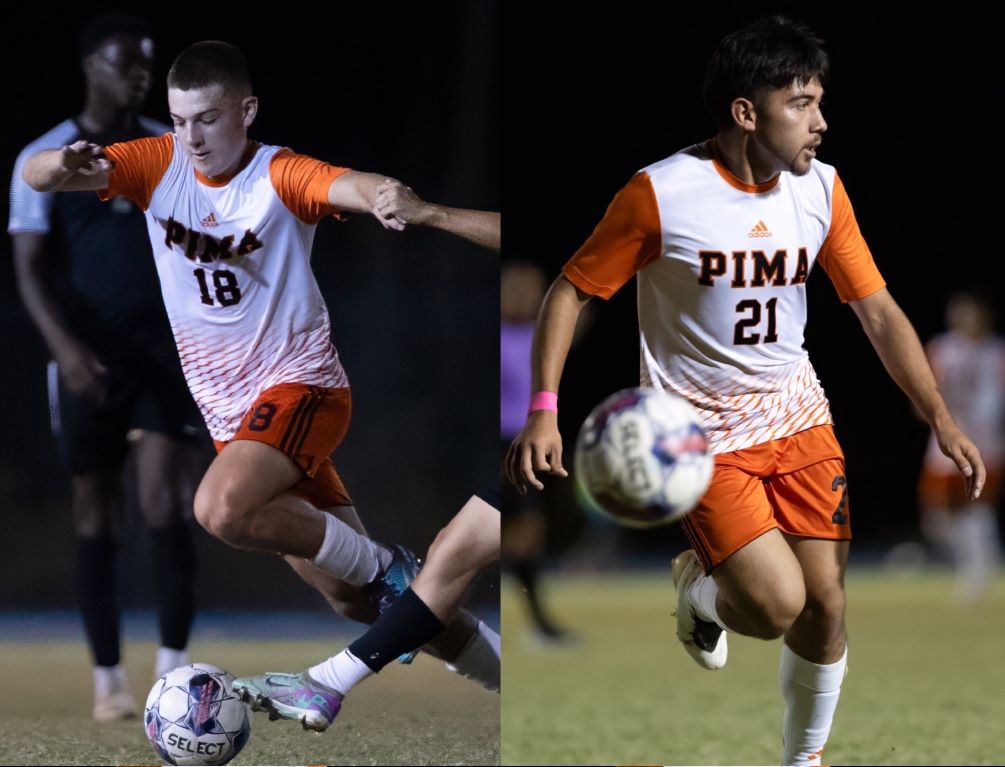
x,y
306,423
796,484
949,491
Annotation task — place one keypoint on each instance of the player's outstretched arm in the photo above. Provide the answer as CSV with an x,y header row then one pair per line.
x,y
356,192
79,167
538,446
894,339
481,227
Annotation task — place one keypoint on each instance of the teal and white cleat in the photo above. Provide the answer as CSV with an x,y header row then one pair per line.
x,y
703,640
291,696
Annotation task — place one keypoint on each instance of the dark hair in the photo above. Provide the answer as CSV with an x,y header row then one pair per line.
x,y
107,25
768,54
210,62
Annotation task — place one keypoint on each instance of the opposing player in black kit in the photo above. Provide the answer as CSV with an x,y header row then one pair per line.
x,y
87,278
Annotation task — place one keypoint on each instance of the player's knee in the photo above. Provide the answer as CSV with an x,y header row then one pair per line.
x,y
159,504
773,614
827,606
90,520
221,516
456,556
92,512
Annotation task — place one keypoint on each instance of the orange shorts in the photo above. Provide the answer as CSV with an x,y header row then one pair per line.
x,y
796,484
937,489
306,423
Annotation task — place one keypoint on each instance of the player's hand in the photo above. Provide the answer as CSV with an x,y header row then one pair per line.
x,y
81,372
964,453
85,158
537,448
397,202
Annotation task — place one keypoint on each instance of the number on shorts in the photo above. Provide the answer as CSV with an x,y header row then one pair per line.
x,y
839,517
261,419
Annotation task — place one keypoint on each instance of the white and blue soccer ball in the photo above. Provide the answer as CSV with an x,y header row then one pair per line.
x,y
642,458
193,716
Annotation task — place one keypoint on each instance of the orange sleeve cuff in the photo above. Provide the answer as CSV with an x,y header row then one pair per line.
x,y
626,240
138,168
302,184
844,254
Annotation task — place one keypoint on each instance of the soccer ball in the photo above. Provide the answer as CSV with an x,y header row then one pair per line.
x,y
642,458
193,716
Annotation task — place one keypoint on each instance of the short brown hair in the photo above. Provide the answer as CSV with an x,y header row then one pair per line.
x,y
210,62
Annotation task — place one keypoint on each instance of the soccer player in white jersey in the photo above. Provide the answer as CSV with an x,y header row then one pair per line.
x,y
468,544
969,365
722,236
231,222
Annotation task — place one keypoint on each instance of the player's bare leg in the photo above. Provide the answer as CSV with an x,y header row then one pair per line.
x,y
244,500
761,590
467,545
757,591
814,654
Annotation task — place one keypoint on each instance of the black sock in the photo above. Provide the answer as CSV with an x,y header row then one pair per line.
x,y
98,605
407,624
526,571
174,578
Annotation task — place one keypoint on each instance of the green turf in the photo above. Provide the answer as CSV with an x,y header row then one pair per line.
x,y
926,682
421,714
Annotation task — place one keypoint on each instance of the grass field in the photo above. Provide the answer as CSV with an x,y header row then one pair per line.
x,y
421,714
926,681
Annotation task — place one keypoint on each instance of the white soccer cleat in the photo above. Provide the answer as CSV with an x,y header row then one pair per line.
x,y
703,640
114,706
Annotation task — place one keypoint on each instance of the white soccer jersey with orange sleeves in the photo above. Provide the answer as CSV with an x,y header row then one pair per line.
x,y
234,267
722,268
971,376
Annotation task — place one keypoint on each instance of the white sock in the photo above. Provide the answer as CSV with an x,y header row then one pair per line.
x,y
108,680
811,693
349,556
975,550
479,660
168,659
702,596
340,672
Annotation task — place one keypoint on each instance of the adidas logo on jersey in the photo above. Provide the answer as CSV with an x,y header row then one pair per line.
x,y
760,230
210,220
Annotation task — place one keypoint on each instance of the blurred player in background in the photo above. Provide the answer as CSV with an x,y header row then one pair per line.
x,y
969,365
464,548
722,236
231,222
522,286
86,276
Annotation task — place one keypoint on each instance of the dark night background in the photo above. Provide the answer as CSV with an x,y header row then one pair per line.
x,y
407,91
591,98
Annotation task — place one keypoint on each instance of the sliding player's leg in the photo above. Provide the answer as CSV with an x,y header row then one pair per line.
x,y
427,614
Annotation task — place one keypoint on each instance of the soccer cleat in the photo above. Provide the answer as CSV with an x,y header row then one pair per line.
x,y
114,706
291,696
703,640
391,584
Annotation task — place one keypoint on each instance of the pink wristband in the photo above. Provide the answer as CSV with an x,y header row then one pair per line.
x,y
543,400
